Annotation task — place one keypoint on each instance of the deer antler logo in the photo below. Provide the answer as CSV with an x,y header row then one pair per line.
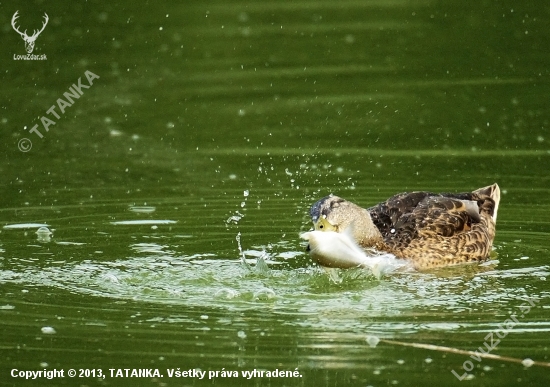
x,y
29,40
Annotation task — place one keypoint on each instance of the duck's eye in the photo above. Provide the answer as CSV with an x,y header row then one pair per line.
x,y
321,226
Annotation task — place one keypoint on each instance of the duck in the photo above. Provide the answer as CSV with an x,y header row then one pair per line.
x,y
426,229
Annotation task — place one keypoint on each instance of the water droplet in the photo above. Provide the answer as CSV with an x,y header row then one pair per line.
x,y
527,362
235,218
349,39
226,293
143,209
48,330
111,278
264,294
373,341
44,234
43,230
241,334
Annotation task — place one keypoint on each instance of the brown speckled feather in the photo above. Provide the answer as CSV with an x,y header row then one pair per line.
x,y
429,229
436,229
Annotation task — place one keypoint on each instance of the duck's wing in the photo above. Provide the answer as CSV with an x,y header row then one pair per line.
x,y
407,216
386,214
445,216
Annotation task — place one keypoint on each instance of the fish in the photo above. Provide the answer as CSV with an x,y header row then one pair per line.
x,y
333,249
339,250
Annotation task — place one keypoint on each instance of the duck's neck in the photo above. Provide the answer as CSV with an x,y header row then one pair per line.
x,y
364,230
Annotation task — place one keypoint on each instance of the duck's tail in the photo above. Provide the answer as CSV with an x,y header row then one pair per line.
x,y
493,192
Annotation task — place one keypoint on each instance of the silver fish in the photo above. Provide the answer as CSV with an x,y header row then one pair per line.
x,y
333,249
339,250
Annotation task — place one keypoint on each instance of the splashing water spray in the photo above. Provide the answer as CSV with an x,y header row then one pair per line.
x,y
238,237
241,252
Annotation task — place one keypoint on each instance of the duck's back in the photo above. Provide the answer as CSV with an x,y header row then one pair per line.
x,y
439,229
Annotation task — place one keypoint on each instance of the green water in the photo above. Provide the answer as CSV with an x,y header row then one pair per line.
x,y
217,122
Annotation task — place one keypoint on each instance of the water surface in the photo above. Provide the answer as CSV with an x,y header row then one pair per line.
x,y
215,123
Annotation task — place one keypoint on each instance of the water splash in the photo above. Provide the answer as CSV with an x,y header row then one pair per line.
x,y
238,215
234,218
245,194
44,235
261,264
241,252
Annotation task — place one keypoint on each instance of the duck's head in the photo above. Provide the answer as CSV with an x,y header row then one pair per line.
x,y
333,213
